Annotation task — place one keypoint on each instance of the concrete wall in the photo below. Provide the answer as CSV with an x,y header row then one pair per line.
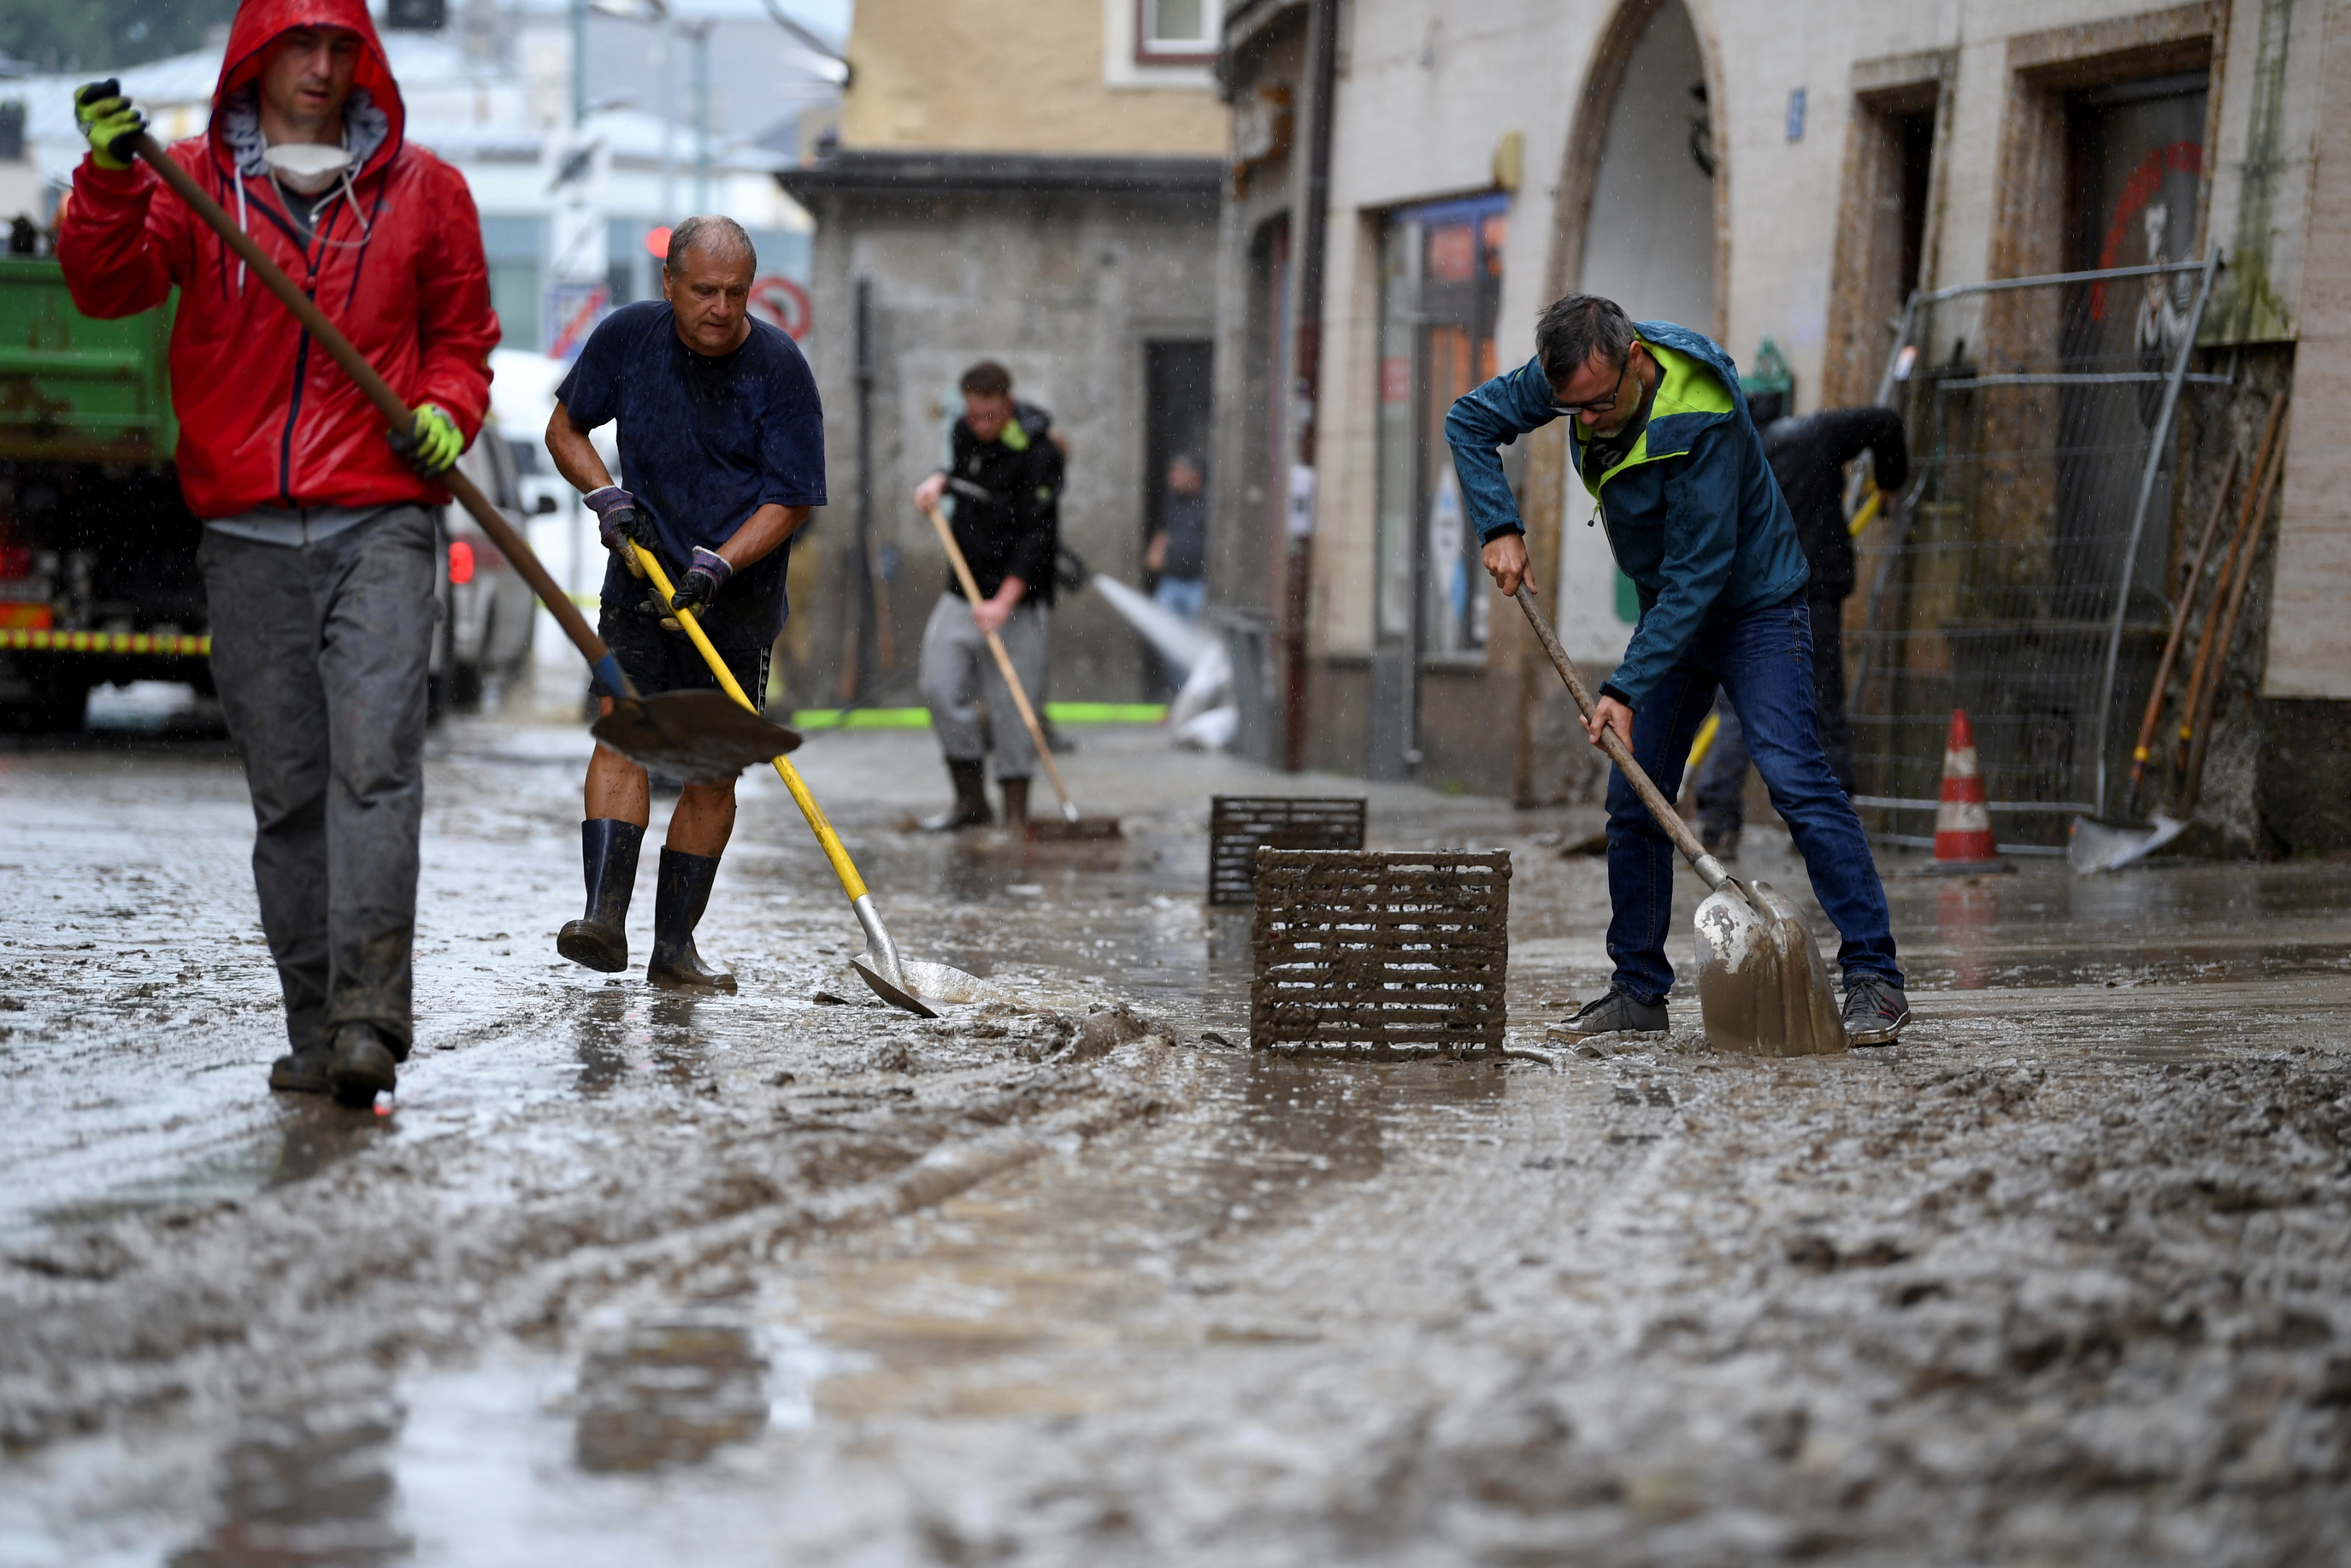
x,y
1065,289
1032,76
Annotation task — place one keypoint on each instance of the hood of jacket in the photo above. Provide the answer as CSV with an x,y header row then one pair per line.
x,y
374,111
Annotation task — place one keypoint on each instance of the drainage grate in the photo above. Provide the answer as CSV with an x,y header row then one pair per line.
x,y
1239,824
1382,954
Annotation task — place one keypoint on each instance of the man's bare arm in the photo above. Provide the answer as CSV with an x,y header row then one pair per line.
x,y
576,457
761,535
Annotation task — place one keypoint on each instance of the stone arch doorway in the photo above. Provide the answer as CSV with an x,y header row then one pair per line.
x,y
1642,217
1640,200
1639,215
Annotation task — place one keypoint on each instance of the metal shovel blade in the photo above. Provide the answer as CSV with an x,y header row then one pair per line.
x,y
2096,846
699,736
920,984
1761,986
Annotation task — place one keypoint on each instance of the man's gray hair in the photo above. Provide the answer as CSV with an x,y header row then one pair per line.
x,y
721,239
1576,328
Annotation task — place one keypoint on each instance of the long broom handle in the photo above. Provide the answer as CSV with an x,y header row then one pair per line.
x,y
843,866
2187,607
2191,786
1003,662
2202,673
1705,865
396,413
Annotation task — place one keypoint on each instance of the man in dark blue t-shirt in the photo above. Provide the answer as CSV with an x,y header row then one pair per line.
x,y
722,442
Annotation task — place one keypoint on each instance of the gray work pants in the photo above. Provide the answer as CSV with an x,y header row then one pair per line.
x,y
319,652
958,672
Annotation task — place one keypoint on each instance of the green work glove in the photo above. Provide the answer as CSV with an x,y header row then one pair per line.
x,y
433,446
108,122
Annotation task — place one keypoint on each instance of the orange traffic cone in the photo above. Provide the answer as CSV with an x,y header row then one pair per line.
x,y
1963,840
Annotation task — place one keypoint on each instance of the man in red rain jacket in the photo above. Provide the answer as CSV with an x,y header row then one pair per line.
x,y
318,553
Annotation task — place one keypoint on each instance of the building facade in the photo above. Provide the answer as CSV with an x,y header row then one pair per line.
x,y
1036,184
1795,176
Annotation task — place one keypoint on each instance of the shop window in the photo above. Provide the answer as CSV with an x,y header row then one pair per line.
x,y
1441,287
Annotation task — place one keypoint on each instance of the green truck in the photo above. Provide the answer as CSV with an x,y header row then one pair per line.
x,y
97,551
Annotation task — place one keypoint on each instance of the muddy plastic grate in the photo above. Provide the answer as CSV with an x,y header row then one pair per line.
x,y
1380,954
1239,825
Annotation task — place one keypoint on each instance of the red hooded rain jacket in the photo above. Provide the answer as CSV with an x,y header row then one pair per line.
x,y
266,417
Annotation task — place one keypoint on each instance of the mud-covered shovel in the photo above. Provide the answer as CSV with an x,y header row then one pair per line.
x,y
908,983
1763,989
695,736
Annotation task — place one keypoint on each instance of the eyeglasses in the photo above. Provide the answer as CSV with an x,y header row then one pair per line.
x,y
1597,405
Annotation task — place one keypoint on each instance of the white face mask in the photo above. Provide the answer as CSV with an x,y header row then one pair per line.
x,y
309,167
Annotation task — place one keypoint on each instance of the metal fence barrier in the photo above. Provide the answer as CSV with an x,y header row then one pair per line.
x,y
2022,573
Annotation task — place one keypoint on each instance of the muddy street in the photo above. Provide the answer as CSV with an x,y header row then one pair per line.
x,y
1069,1275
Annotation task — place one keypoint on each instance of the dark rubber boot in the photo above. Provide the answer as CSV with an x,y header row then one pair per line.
x,y
600,938
304,1071
970,808
363,1065
679,898
1016,802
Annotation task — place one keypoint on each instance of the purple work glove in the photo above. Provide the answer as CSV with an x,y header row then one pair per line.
x,y
617,518
702,580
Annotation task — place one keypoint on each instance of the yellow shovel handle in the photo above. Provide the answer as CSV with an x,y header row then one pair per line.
x,y
843,866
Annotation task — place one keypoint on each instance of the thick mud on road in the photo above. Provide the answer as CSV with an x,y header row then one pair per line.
x,y
1070,1276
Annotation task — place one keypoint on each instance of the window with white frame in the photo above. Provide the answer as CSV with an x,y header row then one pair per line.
x,y
1176,32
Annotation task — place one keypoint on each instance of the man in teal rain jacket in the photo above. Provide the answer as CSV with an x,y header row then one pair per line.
x,y
1660,435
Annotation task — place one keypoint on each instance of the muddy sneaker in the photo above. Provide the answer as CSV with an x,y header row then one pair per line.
x,y
304,1071
1615,1013
1875,1011
363,1065
1723,845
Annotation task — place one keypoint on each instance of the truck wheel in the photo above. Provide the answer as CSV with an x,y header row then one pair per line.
x,y
54,707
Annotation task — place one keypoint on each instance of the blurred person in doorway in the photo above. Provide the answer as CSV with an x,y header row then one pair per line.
x,y
1808,456
1004,473
319,551
722,442
1178,554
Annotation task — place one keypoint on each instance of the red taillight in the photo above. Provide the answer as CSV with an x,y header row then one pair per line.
x,y
461,562
15,561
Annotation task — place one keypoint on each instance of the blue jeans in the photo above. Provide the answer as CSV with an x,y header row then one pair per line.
x,y
1186,596
1761,659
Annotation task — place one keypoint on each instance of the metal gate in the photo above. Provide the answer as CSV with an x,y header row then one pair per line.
x,y
2022,575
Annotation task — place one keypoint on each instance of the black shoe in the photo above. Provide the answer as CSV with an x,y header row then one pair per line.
x,y
1875,1011
600,938
970,808
362,1065
1722,845
1615,1013
679,897
304,1071
1016,802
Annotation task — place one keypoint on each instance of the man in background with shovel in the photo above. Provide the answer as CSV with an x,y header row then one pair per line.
x,y
1662,440
318,552
1005,474
722,442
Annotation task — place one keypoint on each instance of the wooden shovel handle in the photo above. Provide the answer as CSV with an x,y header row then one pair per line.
x,y
396,412
1003,660
1667,818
